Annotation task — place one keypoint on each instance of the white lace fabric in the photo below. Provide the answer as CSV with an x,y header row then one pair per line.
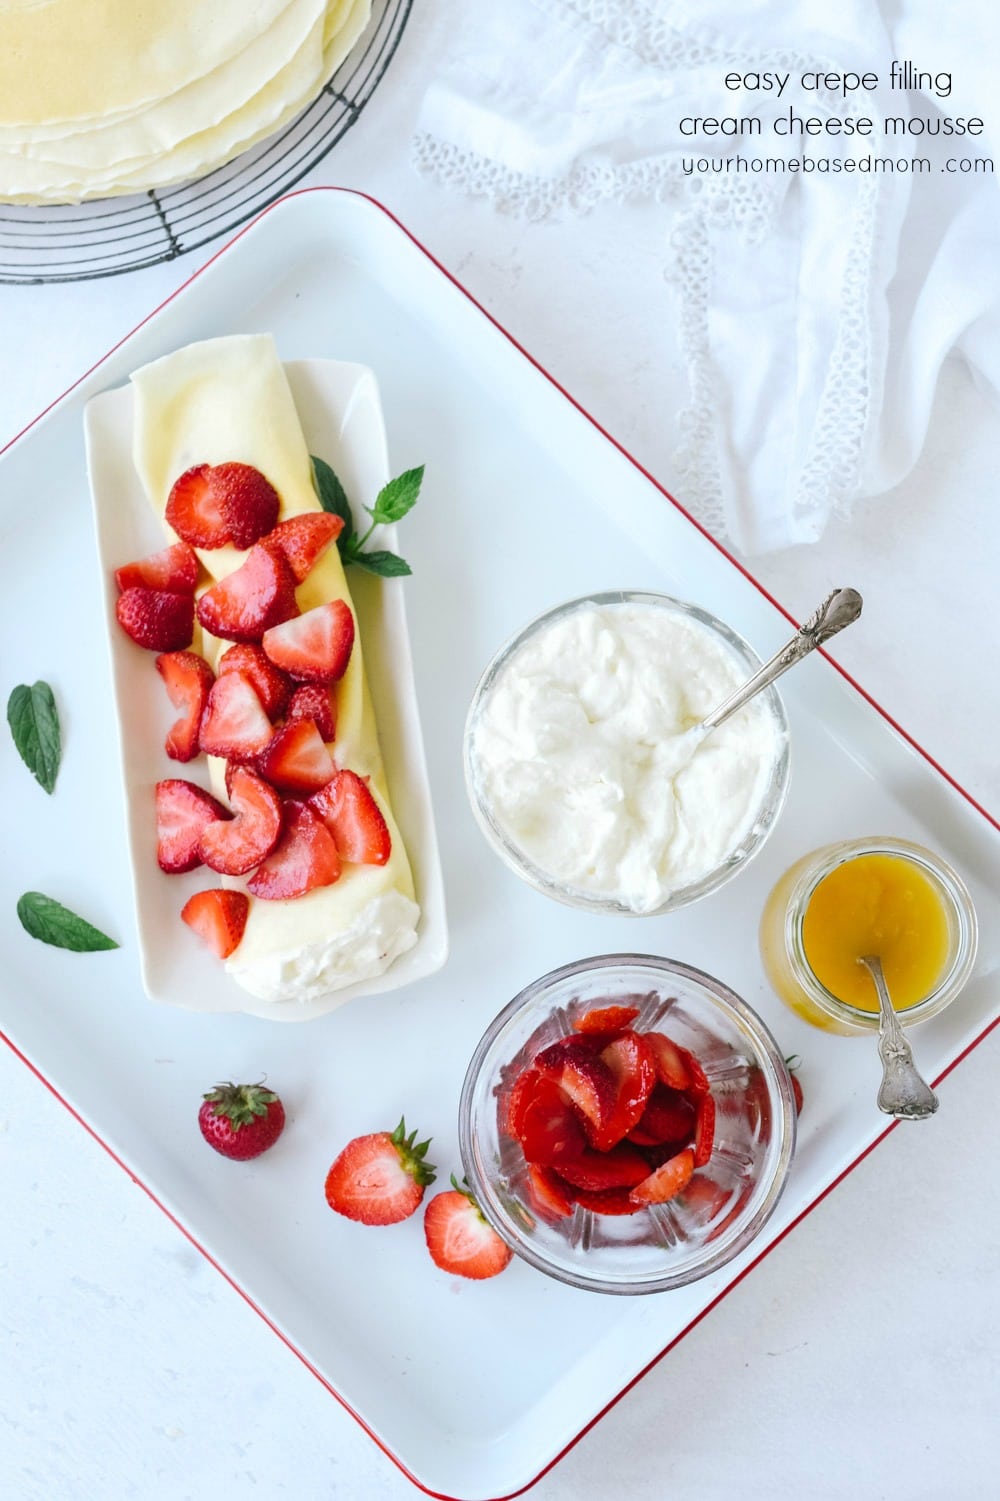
x,y
555,106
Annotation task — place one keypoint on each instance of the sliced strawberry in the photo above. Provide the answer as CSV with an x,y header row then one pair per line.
x,y
666,1181
586,1080
623,1167
514,1099
546,1193
669,1061
218,917
792,1063
668,1116
603,1200
234,723
459,1239
305,538
380,1179
188,680
234,847
273,687
174,569
630,1061
548,1127
314,701
606,1021
194,511
183,812
248,502
354,819
158,619
698,1080
304,857
295,758
704,1130
250,600
314,647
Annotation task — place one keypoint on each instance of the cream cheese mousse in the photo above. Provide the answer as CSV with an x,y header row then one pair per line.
x,y
582,769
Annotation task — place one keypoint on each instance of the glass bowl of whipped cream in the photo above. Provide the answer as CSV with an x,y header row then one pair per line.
x,y
581,768
564,1207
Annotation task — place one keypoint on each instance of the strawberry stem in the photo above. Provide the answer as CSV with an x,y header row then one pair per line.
x,y
240,1104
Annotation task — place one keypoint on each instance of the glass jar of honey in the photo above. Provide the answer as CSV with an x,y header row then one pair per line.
x,y
868,896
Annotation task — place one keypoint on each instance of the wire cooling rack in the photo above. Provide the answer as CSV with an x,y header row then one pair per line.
x,y
78,242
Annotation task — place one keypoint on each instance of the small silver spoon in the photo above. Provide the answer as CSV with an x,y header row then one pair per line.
x,y
903,1092
839,609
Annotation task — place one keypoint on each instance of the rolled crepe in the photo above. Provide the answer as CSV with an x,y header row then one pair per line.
x,y
228,400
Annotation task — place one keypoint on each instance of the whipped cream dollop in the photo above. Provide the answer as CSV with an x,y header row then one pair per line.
x,y
579,749
384,928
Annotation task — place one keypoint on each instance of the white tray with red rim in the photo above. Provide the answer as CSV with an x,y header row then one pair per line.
x,y
473,1389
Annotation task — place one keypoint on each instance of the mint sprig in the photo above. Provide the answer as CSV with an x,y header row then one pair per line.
x,y
392,503
34,724
50,922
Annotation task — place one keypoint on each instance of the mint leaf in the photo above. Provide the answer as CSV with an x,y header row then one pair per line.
x,y
333,498
386,564
34,724
396,498
50,922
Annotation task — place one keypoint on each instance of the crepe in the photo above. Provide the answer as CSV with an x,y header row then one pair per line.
x,y
226,400
228,92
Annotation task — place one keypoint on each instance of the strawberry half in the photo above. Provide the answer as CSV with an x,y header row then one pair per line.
x,y
668,1116
295,758
157,619
218,917
603,1200
623,1167
252,599
354,819
188,680
630,1062
174,569
234,723
380,1179
305,538
666,1181
314,647
236,846
194,511
272,686
606,1021
546,1123
314,701
304,857
459,1239
669,1061
183,812
587,1081
546,1193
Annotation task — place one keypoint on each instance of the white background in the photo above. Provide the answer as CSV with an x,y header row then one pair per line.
x,y
861,1357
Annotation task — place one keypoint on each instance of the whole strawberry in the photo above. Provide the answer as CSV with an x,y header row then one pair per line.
x,y
380,1179
241,1120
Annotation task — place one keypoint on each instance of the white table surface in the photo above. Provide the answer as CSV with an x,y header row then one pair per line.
x,y
861,1357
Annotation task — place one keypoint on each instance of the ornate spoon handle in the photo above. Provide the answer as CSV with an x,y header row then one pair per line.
x,y
903,1092
841,608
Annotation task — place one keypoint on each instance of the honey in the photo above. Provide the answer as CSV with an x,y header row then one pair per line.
x,y
884,905
867,896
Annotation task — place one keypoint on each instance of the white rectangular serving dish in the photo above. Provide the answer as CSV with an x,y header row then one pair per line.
x,y
472,1389
341,415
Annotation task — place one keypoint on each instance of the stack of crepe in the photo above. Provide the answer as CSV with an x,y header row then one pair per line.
x,y
99,97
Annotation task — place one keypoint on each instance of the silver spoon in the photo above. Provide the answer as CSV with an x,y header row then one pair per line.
x,y
903,1092
839,609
